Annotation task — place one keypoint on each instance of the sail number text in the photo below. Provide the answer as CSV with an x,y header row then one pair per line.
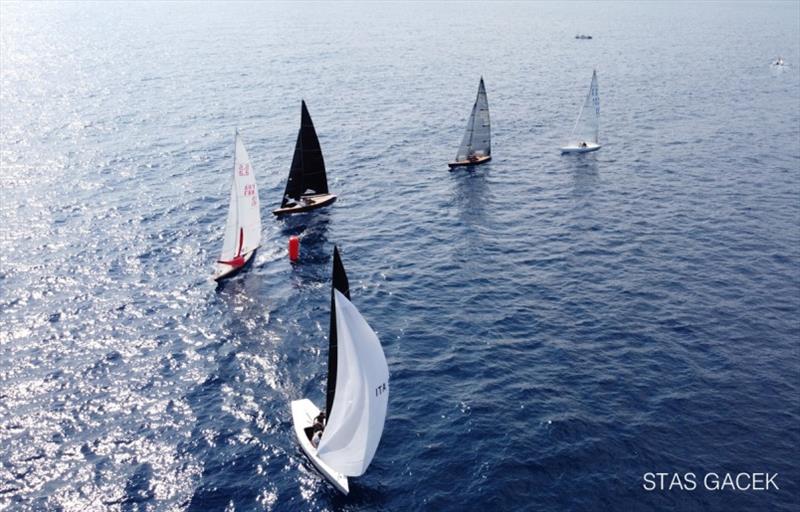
x,y
250,190
244,169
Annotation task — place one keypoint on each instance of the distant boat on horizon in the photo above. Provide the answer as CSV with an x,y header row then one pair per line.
x,y
344,443
585,132
581,36
476,145
307,185
243,227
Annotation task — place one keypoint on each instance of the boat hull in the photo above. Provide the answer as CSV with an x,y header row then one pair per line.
x,y
303,414
225,271
316,201
467,163
577,149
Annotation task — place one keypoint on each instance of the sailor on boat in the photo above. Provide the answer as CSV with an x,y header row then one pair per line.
x,y
318,428
300,201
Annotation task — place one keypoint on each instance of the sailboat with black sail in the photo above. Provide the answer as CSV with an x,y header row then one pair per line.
x,y
344,442
476,145
307,185
243,227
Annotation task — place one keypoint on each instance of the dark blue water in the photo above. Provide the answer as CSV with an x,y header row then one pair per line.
x,y
555,326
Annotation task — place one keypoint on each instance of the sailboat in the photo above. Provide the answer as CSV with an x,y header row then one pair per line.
x,y
476,145
307,186
357,393
243,227
584,136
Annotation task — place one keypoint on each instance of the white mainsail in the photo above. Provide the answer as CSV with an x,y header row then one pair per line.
x,y
230,242
243,227
477,140
355,423
587,125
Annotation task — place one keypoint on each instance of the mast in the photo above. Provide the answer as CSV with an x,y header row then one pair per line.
x,y
234,185
594,91
308,166
339,282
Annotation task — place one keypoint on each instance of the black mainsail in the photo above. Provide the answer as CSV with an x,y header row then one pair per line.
x,y
339,282
307,174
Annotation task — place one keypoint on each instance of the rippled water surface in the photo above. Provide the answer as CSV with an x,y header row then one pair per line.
x,y
555,326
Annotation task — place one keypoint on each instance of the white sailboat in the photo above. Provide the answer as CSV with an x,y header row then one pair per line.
x,y
357,395
584,136
476,145
243,227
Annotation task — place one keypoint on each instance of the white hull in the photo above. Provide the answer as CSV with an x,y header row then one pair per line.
x,y
303,414
224,270
590,146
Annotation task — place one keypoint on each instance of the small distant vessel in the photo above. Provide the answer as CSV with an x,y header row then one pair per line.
x,y
357,396
779,62
476,145
307,185
243,227
582,36
584,136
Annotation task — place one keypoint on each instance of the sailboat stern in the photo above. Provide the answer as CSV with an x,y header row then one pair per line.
x,y
307,203
576,148
303,413
466,163
228,269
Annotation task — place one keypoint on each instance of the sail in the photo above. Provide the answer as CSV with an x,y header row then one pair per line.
x,y
307,174
243,227
339,282
249,217
230,242
587,126
477,140
355,423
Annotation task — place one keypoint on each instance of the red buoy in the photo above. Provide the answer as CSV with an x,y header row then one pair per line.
x,y
294,248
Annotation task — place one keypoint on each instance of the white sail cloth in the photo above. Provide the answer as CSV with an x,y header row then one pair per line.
x,y
355,423
587,125
477,140
243,227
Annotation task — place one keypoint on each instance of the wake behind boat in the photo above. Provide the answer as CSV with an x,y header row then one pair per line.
x,y
243,227
476,145
307,185
585,133
344,443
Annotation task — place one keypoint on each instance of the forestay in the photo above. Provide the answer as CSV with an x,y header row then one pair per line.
x,y
477,140
243,227
587,126
355,423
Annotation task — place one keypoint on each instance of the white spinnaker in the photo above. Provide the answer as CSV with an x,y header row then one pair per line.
x,y
247,204
355,423
587,125
477,140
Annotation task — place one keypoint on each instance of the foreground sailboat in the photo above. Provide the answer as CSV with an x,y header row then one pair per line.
x,y
307,186
584,136
357,396
476,146
243,228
